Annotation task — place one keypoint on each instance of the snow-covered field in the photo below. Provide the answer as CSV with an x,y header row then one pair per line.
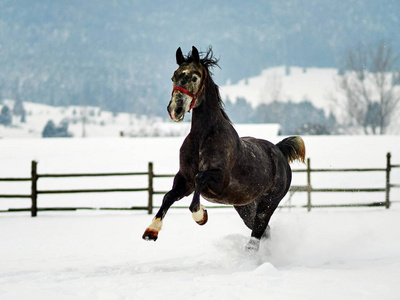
x,y
341,254
325,254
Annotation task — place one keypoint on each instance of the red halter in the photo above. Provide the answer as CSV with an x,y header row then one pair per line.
x,y
191,95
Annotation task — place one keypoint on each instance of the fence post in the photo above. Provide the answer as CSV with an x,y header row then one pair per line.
x,y
308,184
34,179
151,191
388,169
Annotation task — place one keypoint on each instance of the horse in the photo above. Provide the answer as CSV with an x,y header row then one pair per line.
x,y
251,174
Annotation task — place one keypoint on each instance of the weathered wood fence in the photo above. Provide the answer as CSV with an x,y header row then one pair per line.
x,y
308,188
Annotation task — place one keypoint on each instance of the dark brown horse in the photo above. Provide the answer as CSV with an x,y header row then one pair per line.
x,y
251,174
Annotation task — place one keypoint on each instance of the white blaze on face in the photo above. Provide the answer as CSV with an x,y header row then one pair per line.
x,y
177,112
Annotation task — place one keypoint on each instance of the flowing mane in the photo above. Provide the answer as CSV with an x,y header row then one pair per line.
x,y
209,61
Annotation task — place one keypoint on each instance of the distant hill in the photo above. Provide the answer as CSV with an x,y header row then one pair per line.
x,y
316,85
92,122
119,55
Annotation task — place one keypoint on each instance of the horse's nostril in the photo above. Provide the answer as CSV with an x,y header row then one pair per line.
x,y
179,110
168,106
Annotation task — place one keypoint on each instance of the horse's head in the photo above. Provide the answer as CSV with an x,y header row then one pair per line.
x,y
188,85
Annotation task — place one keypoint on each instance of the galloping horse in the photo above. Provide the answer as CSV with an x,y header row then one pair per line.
x,y
251,174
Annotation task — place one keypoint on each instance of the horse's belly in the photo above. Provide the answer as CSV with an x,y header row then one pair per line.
x,y
235,195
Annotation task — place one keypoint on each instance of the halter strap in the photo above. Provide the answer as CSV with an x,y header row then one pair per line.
x,y
191,95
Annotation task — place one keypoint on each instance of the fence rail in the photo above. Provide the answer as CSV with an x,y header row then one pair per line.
x,y
308,188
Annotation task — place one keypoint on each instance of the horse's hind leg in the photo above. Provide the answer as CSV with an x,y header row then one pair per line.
x,y
264,211
179,190
248,214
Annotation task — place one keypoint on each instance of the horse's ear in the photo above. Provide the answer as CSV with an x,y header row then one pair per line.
x,y
179,56
195,55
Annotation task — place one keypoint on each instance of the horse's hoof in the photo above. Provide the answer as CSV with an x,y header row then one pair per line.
x,y
253,245
150,235
204,218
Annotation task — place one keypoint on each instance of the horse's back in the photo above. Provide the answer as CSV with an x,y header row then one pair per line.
x,y
258,169
265,156
263,151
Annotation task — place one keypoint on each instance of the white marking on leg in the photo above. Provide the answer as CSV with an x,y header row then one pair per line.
x,y
156,224
198,215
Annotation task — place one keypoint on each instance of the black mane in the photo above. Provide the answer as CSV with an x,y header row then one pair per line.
x,y
210,61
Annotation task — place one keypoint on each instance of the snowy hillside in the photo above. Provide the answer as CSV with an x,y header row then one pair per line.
x,y
316,85
84,122
313,84
93,122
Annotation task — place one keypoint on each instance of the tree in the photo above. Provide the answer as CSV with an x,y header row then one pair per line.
x,y
296,118
368,85
240,111
51,130
19,109
5,116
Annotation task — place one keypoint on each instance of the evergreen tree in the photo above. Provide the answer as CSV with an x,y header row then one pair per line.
x,y
240,111
51,130
18,109
5,116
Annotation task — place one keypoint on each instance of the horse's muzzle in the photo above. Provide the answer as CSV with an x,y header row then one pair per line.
x,y
176,111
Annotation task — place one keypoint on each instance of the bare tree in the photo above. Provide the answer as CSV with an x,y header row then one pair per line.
x,y
371,94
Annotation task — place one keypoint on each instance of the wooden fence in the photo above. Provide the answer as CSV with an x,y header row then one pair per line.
x,y
308,188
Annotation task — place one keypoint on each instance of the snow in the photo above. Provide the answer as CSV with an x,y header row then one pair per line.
x,y
323,254
347,253
317,85
104,123
98,123
320,86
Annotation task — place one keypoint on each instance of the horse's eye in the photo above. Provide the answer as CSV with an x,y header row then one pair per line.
x,y
194,78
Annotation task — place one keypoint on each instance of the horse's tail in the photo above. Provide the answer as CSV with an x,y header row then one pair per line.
x,y
293,148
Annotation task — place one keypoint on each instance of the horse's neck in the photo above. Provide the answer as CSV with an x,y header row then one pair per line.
x,y
207,116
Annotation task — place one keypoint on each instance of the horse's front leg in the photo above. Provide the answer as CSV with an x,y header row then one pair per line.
x,y
199,213
179,190
212,179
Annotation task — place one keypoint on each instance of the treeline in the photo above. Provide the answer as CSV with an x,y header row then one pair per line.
x,y
107,54
293,118
116,88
